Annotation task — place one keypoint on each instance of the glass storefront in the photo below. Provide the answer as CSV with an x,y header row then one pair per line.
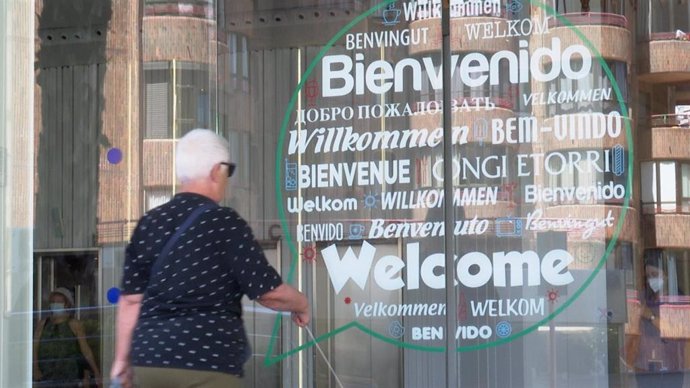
x,y
515,221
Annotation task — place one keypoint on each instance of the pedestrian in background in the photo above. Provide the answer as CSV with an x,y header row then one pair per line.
x,y
657,361
61,353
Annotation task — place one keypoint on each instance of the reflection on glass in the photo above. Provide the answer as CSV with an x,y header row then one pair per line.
x,y
665,187
685,188
62,356
233,66
663,19
657,344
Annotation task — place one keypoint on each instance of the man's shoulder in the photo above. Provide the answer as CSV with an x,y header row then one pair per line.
x,y
161,209
178,206
230,215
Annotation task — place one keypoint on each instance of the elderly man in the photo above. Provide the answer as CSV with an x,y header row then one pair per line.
x,y
187,266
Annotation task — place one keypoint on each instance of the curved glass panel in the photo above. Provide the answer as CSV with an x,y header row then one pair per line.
x,y
519,220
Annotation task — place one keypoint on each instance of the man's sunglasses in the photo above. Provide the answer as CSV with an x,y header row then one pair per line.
x,y
231,168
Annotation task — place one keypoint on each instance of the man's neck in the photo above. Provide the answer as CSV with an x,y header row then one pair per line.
x,y
201,188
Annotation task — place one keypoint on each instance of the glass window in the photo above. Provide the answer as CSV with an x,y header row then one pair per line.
x,y
17,153
685,188
333,113
668,193
662,19
649,186
158,96
657,339
597,80
667,186
681,15
588,169
502,94
157,196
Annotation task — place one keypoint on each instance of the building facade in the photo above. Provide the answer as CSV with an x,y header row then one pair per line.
x,y
551,250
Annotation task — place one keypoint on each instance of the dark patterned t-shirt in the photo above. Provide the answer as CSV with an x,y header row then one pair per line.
x,y
190,316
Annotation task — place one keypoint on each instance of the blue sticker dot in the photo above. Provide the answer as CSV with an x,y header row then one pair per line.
x,y
114,155
113,295
503,329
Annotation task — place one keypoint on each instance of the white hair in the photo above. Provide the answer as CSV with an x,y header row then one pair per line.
x,y
197,152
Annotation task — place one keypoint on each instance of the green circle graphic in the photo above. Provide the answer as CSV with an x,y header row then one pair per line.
x,y
270,358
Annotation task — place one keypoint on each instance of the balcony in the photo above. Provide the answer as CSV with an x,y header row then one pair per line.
x,y
665,58
628,230
471,112
182,38
203,9
499,209
668,137
666,230
612,124
588,19
460,40
606,31
663,48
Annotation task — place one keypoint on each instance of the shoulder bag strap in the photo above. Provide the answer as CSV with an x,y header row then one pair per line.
x,y
168,246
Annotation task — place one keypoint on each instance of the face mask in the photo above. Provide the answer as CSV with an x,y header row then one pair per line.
x,y
656,284
57,308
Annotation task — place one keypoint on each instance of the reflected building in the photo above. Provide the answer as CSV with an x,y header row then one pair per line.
x,y
118,81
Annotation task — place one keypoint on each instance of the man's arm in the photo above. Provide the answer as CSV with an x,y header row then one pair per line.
x,y
287,298
127,315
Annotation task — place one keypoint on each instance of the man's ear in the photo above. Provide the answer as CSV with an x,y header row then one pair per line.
x,y
215,171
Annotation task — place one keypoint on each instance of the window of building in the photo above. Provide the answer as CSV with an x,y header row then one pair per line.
x,y
665,187
685,188
238,59
503,94
577,6
157,196
598,80
589,172
663,19
157,97
676,266
681,16
190,101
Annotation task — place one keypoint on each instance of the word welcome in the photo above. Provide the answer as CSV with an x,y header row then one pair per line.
x,y
433,198
379,309
344,139
473,269
428,9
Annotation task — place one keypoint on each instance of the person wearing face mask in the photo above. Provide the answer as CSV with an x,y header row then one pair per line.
x,y
60,350
657,361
